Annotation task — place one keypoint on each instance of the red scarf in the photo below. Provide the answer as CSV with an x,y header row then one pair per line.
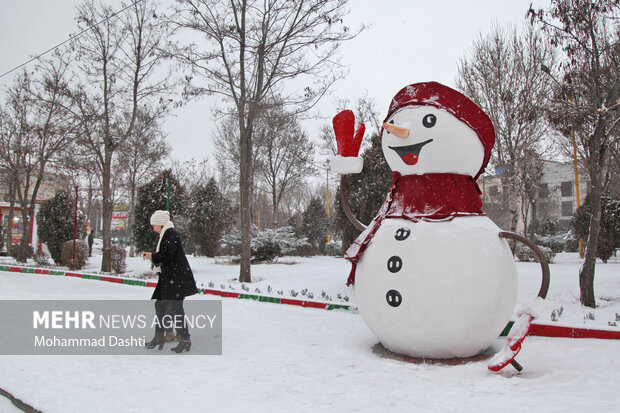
x,y
429,197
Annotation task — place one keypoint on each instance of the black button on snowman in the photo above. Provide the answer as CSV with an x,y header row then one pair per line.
x,y
402,234
431,276
393,298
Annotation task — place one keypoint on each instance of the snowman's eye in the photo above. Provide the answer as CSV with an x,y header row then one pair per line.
x,y
429,120
391,122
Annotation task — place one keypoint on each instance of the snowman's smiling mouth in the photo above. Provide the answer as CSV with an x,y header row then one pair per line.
x,y
410,153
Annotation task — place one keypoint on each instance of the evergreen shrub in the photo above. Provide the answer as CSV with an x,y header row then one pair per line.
x,y
118,257
81,254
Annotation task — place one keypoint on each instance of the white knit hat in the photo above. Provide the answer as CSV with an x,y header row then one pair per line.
x,y
160,217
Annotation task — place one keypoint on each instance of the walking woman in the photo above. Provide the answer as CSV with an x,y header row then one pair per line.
x,y
176,281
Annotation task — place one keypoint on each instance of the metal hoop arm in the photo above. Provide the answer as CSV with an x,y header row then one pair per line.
x,y
514,339
345,205
544,287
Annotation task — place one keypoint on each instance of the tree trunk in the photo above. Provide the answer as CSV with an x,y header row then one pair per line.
x,y
513,202
533,219
25,241
11,217
28,213
586,274
132,204
245,169
274,208
108,209
89,206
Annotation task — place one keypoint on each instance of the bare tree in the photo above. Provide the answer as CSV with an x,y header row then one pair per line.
x,y
252,51
119,59
295,199
502,75
228,154
612,184
588,97
285,157
9,137
530,180
193,174
41,128
141,157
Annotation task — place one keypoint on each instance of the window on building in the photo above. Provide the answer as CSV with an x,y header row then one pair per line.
x,y
567,208
542,209
567,188
543,191
494,190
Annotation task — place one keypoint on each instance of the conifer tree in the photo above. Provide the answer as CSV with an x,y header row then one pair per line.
x,y
315,224
211,216
152,197
609,235
55,223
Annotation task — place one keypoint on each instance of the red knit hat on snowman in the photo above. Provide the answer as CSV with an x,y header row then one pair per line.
x,y
443,97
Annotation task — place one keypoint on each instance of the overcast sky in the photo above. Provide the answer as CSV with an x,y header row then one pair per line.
x,y
407,41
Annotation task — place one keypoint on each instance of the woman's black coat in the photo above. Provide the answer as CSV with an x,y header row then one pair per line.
x,y
176,280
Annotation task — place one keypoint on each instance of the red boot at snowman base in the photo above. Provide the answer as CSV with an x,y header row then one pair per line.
x,y
432,276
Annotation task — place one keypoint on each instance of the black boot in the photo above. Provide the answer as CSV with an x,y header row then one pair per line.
x,y
184,345
157,340
169,336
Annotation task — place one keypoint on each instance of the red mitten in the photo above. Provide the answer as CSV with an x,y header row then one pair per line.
x,y
349,142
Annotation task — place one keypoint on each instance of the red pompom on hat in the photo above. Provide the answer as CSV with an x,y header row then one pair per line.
x,y
443,97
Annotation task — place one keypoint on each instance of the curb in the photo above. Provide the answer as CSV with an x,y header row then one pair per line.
x,y
275,300
44,271
21,405
130,281
540,330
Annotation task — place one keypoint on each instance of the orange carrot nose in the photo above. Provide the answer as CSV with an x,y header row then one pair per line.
x,y
397,131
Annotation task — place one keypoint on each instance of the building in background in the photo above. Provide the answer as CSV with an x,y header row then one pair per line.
x,y
51,183
556,197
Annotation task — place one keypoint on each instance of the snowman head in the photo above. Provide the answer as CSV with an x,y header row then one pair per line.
x,y
431,128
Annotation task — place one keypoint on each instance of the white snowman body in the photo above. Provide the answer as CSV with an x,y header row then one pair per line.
x,y
435,289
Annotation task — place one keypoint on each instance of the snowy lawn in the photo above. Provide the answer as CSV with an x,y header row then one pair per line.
x,y
285,358
323,279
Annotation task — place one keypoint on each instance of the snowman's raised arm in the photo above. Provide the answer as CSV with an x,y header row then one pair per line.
x,y
349,140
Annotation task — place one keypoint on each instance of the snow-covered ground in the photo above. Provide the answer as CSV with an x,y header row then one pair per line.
x,y
286,358
323,279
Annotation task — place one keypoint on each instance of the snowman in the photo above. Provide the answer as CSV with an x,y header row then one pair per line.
x,y
433,277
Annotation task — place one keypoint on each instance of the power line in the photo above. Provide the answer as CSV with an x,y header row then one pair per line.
x,y
69,39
